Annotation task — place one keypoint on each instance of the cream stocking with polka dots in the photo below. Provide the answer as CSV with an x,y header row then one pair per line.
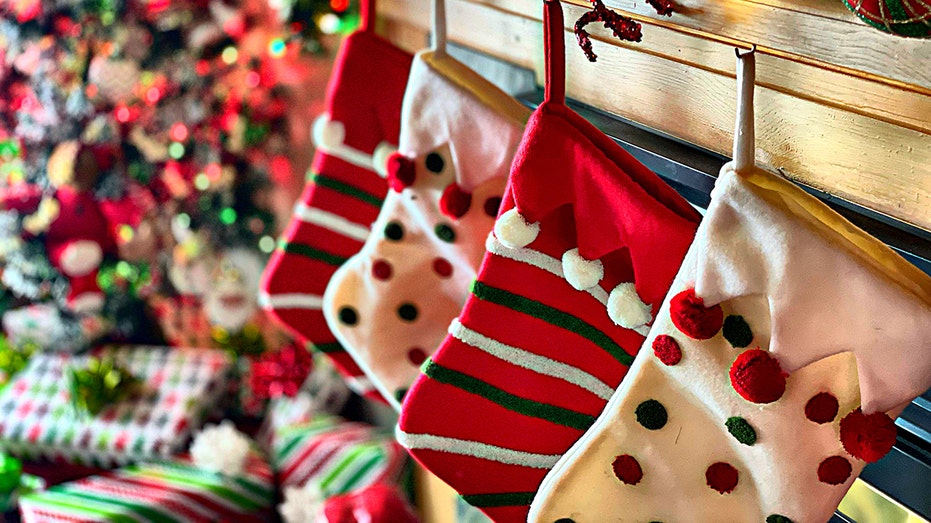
x,y
390,305
771,374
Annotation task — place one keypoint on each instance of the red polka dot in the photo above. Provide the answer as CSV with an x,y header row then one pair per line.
x,y
666,348
627,469
821,408
834,470
867,436
401,172
381,270
455,202
722,477
492,205
757,376
417,356
442,267
689,315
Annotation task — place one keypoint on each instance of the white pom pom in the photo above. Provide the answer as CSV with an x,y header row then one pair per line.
x,y
80,258
581,273
301,504
513,230
380,158
220,448
328,134
625,308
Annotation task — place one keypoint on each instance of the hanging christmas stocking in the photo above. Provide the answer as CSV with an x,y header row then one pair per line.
x,y
581,257
768,380
346,190
391,303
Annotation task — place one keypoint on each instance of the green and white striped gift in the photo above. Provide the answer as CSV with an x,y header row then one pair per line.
x,y
160,492
335,455
37,419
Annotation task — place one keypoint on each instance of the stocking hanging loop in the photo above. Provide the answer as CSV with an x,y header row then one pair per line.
x,y
555,49
439,28
744,138
367,14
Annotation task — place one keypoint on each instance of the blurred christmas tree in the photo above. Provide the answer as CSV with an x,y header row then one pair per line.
x,y
139,141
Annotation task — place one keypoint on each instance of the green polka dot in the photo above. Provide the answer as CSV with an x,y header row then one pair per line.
x,y
737,332
445,233
776,518
652,415
741,430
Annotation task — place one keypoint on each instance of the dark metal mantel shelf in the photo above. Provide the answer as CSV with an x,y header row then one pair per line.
x,y
904,474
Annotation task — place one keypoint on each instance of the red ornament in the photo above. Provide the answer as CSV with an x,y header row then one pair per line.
x,y
690,315
910,18
757,376
627,469
722,477
667,349
821,408
868,437
834,470
455,202
401,172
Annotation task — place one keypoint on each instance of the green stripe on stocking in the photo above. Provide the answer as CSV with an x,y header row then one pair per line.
x,y
552,316
504,499
527,407
312,253
346,189
329,347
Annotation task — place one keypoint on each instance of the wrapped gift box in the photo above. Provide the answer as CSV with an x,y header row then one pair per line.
x,y
172,491
38,420
336,455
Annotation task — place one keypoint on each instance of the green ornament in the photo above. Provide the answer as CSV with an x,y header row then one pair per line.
x,y
99,384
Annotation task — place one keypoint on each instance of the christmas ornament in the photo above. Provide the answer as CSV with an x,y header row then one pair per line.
x,y
280,373
346,189
909,18
390,304
582,254
786,375
231,299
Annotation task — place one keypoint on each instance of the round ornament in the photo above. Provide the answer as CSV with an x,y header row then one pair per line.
x,y
909,18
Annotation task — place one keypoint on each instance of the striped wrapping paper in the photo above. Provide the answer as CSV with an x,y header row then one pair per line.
x,y
160,492
37,419
338,456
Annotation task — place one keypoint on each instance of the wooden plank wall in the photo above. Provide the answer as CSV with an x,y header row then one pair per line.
x,y
840,106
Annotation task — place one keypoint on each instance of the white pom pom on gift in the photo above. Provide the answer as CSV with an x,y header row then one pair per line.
x,y
328,134
301,504
625,308
513,231
220,449
581,273
380,158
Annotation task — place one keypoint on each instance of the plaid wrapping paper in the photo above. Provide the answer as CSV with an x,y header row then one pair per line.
x,y
160,492
37,419
338,456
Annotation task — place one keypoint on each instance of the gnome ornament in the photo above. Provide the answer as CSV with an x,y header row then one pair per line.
x,y
230,300
582,254
389,305
354,138
788,342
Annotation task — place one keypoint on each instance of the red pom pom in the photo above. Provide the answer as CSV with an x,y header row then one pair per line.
x,y
722,477
867,436
757,376
666,348
381,270
627,469
401,172
455,202
821,408
690,316
834,470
